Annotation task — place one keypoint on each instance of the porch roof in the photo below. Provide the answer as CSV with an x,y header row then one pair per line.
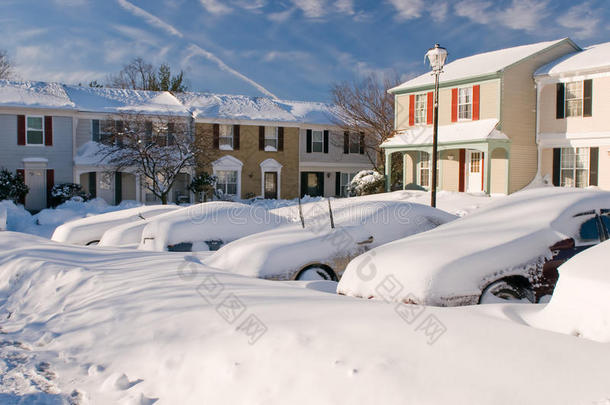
x,y
453,134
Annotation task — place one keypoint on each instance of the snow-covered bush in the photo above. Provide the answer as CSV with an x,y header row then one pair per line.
x,y
63,192
203,185
12,186
366,182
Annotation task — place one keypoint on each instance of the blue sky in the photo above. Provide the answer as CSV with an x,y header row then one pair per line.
x,y
293,49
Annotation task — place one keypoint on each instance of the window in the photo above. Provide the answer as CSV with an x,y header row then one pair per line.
x,y
226,181
424,169
465,103
421,101
574,167
225,137
574,98
346,178
354,143
101,131
35,133
317,141
271,136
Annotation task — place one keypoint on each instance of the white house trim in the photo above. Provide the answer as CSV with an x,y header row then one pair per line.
x,y
229,162
271,165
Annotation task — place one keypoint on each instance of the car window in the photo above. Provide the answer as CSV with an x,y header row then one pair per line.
x,y
606,221
588,231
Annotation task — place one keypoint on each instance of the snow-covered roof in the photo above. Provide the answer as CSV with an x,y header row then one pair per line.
x,y
241,107
117,101
591,58
480,64
34,95
459,132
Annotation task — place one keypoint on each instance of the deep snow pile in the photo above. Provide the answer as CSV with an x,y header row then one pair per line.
x,y
580,304
98,326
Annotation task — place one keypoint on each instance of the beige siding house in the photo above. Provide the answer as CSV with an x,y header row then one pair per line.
x,y
573,125
487,121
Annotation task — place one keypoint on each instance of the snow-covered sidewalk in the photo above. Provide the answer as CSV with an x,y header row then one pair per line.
x,y
101,326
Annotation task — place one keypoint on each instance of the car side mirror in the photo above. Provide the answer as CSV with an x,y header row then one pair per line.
x,y
563,245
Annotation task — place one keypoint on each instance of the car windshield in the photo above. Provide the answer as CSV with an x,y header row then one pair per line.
x,y
589,231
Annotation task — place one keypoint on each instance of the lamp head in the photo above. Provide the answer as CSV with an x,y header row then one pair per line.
x,y
437,57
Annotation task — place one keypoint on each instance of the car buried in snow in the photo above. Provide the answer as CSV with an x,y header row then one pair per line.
x,y
329,236
508,250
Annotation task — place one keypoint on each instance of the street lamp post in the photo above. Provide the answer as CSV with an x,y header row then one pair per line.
x,y
436,56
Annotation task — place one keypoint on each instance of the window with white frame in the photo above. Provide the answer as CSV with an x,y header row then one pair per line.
x,y
354,143
346,179
34,131
271,136
574,167
317,141
420,108
423,172
225,140
226,181
465,103
574,98
102,131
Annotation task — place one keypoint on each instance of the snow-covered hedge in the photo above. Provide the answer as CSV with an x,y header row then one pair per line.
x,y
366,182
63,192
12,187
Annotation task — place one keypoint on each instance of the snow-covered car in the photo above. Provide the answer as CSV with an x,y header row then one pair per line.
x,y
323,248
509,249
89,230
207,226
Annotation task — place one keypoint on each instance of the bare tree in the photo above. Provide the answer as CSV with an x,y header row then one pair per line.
x,y
6,67
157,148
141,75
365,106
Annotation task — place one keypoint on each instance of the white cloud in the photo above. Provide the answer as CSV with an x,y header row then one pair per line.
x,y
286,55
582,19
311,8
439,11
518,15
215,7
151,19
408,9
281,16
345,6
475,10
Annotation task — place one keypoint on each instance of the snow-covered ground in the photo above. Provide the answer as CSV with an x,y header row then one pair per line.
x,y
101,326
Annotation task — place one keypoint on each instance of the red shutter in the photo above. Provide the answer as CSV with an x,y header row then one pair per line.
x,y
411,110
21,130
50,184
430,108
454,105
462,179
48,130
21,174
216,136
476,95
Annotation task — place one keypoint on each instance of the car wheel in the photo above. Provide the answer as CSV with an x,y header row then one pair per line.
x,y
316,273
504,290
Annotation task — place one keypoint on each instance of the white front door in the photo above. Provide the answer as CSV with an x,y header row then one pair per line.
x,y
475,171
36,199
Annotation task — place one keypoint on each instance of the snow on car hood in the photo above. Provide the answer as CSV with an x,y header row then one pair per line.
x,y
454,259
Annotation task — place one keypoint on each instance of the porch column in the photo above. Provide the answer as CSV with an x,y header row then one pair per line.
x,y
388,169
487,162
138,189
404,170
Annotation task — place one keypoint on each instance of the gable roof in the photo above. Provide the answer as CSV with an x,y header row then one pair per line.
x,y
481,64
591,58
30,94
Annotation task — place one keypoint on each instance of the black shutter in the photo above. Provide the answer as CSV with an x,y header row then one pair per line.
x,y
304,182
92,184
261,138
593,166
556,166
362,143
216,132
95,130
118,188
325,141
587,102
338,184
346,142
308,147
280,138
235,137
560,100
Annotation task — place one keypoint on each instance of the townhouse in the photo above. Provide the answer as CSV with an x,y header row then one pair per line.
x,y
256,146
573,130
487,121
